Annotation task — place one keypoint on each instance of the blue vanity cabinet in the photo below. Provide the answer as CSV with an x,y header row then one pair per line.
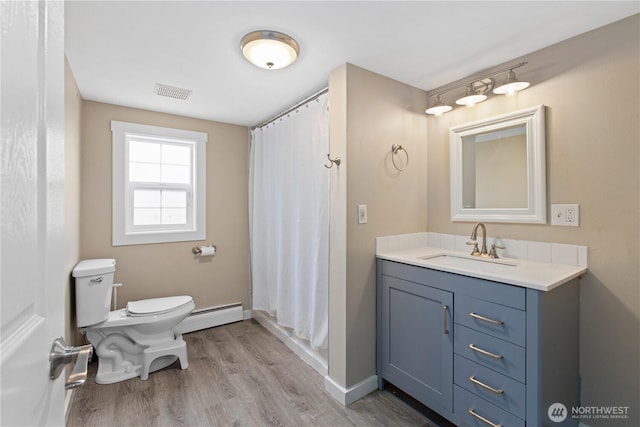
x,y
497,354
417,340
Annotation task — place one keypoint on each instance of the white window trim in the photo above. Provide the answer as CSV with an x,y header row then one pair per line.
x,y
120,235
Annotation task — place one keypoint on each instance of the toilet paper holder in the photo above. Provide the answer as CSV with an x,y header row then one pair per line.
x,y
196,250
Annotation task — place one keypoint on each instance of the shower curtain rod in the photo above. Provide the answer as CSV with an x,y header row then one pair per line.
x,y
288,110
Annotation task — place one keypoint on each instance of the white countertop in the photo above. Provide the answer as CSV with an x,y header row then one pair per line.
x,y
528,274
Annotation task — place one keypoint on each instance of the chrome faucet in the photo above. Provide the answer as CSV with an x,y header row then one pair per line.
x,y
474,236
483,251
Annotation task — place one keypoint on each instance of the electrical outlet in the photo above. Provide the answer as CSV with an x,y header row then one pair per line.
x,y
566,215
362,214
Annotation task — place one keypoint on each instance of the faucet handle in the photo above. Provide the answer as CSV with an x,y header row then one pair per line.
x,y
492,252
475,250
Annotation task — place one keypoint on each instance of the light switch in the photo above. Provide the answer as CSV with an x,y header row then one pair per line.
x,y
362,214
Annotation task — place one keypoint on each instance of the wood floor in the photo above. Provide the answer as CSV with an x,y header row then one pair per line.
x,y
238,375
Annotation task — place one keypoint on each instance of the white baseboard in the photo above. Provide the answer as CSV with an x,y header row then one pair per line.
x,y
348,396
211,317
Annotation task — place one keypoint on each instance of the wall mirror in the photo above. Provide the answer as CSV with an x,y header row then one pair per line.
x,y
498,169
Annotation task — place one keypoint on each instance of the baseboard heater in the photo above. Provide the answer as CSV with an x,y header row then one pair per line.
x,y
211,317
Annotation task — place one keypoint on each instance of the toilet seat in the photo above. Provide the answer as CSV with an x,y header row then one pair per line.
x,y
155,306
121,317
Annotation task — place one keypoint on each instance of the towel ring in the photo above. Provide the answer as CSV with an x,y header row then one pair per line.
x,y
394,152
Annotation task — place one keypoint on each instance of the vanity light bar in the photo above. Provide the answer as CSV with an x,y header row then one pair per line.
x,y
477,88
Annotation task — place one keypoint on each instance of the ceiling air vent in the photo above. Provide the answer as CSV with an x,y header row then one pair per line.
x,y
172,92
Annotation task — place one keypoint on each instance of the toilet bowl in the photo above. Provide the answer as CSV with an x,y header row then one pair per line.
x,y
133,341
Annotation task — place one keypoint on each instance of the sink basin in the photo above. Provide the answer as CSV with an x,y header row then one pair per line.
x,y
470,263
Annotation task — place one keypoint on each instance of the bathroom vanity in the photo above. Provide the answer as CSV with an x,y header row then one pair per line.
x,y
481,342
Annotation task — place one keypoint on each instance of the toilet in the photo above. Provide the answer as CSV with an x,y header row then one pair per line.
x,y
133,341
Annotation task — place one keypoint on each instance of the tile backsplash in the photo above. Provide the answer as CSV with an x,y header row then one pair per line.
x,y
555,253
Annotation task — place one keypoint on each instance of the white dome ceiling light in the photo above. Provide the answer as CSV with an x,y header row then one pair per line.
x,y
269,49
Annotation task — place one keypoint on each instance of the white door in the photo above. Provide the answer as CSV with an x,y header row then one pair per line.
x,y
31,192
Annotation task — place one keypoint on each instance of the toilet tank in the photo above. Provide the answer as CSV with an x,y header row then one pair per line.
x,y
94,282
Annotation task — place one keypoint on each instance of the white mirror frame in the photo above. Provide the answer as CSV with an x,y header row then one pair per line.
x,y
536,212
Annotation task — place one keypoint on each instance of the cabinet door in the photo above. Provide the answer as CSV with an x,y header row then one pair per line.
x,y
417,345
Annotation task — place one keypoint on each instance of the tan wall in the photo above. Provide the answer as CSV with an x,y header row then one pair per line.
x,y
72,124
337,359
158,270
369,113
501,173
590,85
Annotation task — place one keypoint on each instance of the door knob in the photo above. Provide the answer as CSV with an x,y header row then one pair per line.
x,y
62,354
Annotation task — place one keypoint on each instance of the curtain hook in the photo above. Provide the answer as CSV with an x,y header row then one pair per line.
x,y
332,161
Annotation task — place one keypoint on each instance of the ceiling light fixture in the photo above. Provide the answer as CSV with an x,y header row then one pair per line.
x,y
477,89
438,108
511,85
476,93
269,49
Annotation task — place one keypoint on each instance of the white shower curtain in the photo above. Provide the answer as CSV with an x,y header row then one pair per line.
x,y
289,220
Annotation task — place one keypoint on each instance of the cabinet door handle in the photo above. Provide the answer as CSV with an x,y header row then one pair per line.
x,y
485,352
486,319
444,319
488,387
483,419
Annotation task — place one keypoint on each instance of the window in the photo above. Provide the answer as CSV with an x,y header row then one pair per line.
x,y
158,184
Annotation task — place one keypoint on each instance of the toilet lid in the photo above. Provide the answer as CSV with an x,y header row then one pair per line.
x,y
151,306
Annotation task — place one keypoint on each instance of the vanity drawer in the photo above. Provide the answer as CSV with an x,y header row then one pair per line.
x,y
494,319
465,402
499,355
498,389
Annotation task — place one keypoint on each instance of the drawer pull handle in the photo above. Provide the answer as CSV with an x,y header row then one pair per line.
x,y
486,319
488,387
444,319
485,352
483,419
